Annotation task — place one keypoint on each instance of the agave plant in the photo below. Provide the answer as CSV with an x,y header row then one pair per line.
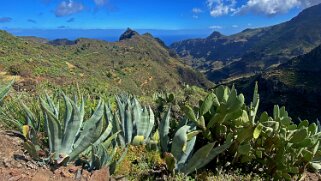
x,y
70,136
180,156
103,155
134,121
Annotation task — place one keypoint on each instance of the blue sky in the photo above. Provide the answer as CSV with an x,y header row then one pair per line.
x,y
226,16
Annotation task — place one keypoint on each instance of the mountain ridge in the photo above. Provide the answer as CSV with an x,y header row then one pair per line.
x,y
273,45
139,65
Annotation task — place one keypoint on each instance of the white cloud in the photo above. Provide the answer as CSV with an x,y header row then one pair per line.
x,y
195,16
100,2
269,7
235,26
68,7
221,7
197,10
265,7
309,3
215,27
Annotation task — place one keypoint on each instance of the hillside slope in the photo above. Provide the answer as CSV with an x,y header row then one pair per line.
x,y
138,64
253,49
295,84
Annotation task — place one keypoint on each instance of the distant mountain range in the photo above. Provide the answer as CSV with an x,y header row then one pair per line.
x,y
111,35
139,64
225,58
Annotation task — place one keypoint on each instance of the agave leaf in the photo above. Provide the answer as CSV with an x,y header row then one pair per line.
x,y
104,135
164,131
179,143
54,128
128,127
91,132
52,107
95,159
151,122
30,116
121,110
107,143
72,127
142,122
88,136
140,118
4,90
187,153
68,112
96,116
196,161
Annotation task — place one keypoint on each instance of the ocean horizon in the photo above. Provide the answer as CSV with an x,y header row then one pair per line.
x,y
110,35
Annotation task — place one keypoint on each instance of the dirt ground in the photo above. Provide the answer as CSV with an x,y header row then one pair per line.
x,y
311,177
15,165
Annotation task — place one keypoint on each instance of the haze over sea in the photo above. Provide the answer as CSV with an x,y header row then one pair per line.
x,y
111,35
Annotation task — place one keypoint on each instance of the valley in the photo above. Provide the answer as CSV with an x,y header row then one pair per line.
x,y
243,106
253,50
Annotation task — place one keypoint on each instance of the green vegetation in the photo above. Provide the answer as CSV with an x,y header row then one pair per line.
x,y
139,65
220,133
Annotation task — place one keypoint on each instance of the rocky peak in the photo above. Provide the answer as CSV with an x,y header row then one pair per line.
x,y
215,34
129,33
